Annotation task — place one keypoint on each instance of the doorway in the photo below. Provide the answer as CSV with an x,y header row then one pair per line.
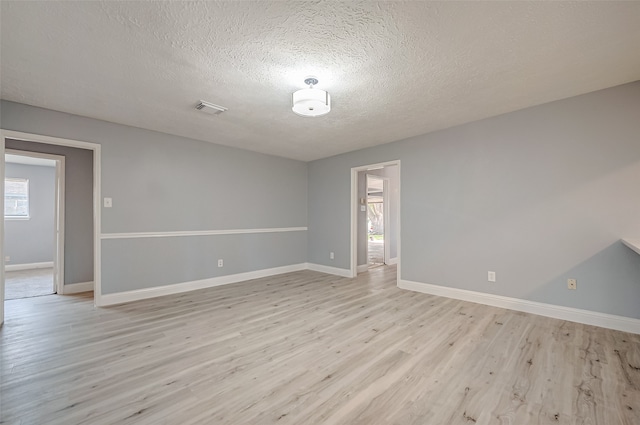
x,y
50,143
33,223
386,234
376,216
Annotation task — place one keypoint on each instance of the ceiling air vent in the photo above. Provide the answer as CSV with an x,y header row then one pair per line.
x,y
210,108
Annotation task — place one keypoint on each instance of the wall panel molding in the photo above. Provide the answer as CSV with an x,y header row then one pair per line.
x,y
138,235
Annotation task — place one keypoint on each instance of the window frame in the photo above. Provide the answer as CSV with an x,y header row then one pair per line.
x,y
18,217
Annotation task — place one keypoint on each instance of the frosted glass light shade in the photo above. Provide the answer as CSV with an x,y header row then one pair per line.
x,y
311,102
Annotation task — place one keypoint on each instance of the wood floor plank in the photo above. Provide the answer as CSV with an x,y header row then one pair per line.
x,y
309,348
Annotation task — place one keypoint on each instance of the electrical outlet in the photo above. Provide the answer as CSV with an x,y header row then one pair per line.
x,y
220,262
572,284
331,256
491,276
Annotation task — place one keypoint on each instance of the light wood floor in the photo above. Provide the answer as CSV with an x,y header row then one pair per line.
x,y
28,283
309,348
375,252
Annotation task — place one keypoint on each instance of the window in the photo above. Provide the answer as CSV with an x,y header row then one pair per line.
x,y
16,198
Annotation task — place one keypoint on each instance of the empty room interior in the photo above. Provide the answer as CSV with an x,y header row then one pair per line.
x,y
307,212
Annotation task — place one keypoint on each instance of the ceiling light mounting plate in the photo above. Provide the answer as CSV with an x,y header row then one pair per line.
x,y
311,81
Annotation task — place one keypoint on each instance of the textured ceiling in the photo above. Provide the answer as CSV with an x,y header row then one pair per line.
x,y
393,69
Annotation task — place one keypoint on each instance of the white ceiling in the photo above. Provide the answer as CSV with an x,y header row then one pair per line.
x,y
393,69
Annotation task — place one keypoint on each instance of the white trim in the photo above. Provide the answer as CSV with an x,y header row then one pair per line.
x,y
97,225
30,137
135,235
329,270
33,160
2,234
355,206
31,154
392,261
177,288
610,321
633,244
58,236
28,266
76,288
97,188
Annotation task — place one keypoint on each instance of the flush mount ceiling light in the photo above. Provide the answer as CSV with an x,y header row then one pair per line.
x,y
311,102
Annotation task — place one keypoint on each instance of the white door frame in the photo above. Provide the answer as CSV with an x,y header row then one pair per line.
x,y
58,218
386,218
354,213
9,134
385,213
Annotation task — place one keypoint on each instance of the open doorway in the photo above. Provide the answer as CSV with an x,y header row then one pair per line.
x,y
375,221
375,216
82,246
33,221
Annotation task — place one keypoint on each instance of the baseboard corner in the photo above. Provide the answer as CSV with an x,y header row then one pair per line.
x,y
329,270
27,266
76,288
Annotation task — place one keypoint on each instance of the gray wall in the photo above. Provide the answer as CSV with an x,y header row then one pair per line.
x,y
31,241
78,206
161,183
392,173
538,196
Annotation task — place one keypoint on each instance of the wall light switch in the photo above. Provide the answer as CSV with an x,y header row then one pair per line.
x,y
108,202
363,208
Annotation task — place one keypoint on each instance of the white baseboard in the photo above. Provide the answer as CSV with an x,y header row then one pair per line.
x,y
76,288
392,261
621,323
329,270
363,268
158,291
29,266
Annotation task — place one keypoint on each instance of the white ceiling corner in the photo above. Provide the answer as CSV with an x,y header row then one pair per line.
x,y
393,69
